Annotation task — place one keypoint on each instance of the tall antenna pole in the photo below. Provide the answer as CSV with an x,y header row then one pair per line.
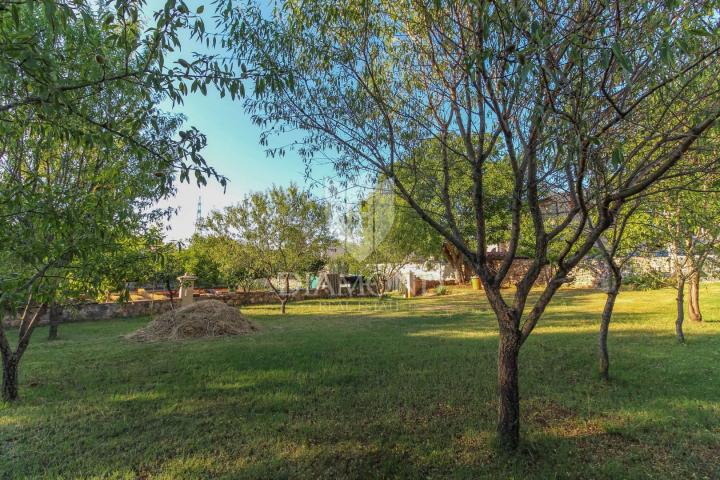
x,y
198,218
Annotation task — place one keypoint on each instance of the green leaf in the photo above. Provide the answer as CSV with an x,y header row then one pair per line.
x,y
665,52
618,156
15,12
700,32
624,61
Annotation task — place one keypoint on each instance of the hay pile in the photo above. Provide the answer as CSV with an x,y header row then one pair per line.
x,y
207,318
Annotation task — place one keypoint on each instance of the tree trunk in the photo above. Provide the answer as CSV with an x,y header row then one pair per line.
x,y
612,293
10,379
694,298
508,389
55,314
10,359
458,275
457,262
680,305
170,294
381,286
604,327
286,295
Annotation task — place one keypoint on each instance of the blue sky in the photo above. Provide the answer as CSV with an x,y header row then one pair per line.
x,y
233,149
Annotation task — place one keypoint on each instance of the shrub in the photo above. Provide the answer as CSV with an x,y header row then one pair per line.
x,y
442,290
644,281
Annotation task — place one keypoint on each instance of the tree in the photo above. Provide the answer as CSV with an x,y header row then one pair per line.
x,y
109,270
200,259
285,232
617,246
57,57
62,206
85,151
459,187
167,267
217,259
551,87
686,221
378,238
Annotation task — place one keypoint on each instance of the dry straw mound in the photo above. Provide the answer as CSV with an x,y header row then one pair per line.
x,y
207,318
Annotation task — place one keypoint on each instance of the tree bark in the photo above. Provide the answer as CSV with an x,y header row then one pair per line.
x,y
286,295
168,287
680,304
55,315
10,391
381,282
694,297
602,338
508,428
457,262
612,293
10,358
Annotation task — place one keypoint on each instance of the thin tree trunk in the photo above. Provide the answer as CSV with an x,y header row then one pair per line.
x,y
286,295
680,304
170,294
55,317
602,338
694,298
508,389
613,291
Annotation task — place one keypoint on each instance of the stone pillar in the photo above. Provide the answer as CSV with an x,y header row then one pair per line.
x,y
185,293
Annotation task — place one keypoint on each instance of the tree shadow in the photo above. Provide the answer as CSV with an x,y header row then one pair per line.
x,y
389,395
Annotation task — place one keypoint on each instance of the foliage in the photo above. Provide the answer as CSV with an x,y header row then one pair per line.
x,y
200,259
685,221
383,241
442,290
283,233
428,194
220,260
644,281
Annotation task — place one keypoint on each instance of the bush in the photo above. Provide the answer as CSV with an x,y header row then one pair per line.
x,y
644,281
442,290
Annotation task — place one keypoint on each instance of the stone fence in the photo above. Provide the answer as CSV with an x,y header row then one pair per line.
x,y
103,311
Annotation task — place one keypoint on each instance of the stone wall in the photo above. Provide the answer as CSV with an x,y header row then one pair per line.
x,y
103,311
518,269
590,273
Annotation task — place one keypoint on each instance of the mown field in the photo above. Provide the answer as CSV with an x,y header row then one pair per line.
x,y
367,389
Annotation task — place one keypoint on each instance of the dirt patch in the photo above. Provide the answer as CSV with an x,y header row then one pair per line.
x,y
208,318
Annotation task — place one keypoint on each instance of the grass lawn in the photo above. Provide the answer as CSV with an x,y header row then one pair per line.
x,y
361,389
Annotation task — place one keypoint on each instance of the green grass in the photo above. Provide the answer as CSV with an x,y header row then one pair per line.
x,y
358,389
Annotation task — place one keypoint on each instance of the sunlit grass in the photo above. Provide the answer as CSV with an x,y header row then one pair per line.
x,y
362,388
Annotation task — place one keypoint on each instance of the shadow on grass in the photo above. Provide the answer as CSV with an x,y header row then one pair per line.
x,y
338,396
